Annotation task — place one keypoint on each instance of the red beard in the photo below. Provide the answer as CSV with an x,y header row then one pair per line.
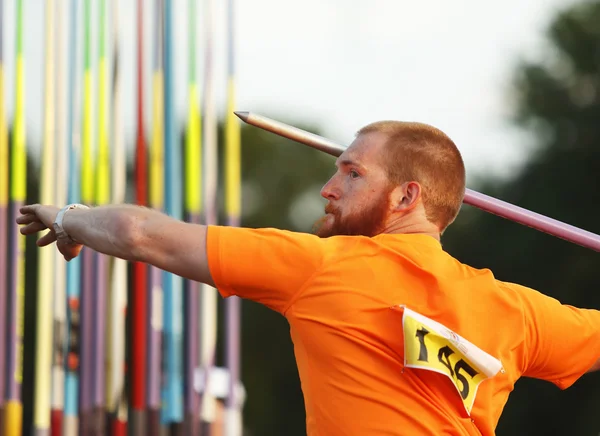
x,y
368,222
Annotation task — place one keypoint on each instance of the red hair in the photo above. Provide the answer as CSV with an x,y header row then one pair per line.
x,y
424,154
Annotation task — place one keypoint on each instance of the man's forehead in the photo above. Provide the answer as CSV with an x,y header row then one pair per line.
x,y
366,148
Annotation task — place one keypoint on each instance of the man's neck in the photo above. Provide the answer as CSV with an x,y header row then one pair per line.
x,y
407,225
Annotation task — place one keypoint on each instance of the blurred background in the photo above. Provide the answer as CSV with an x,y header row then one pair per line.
x,y
514,84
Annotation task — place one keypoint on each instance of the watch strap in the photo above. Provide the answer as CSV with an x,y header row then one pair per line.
x,y
58,221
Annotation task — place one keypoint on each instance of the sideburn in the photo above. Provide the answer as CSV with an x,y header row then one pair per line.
x,y
368,222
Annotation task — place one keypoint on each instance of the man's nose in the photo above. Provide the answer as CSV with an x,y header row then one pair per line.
x,y
329,191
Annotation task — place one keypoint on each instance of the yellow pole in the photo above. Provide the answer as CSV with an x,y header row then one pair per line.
x,y
45,282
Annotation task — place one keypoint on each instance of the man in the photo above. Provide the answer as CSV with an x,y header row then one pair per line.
x,y
391,334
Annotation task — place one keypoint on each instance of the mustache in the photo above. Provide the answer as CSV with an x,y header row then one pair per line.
x,y
329,208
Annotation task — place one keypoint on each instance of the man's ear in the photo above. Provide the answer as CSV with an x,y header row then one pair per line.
x,y
405,197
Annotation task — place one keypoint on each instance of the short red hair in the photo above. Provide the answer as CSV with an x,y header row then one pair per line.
x,y
424,154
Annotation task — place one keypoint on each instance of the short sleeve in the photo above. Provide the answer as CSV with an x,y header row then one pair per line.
x,y
269,266
562,341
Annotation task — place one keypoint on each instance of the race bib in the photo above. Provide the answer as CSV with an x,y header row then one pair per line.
x,y
431,346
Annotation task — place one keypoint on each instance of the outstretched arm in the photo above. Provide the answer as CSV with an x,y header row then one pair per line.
x,y
130,232
562,342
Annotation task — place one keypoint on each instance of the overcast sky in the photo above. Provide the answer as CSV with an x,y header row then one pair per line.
x,y
341,64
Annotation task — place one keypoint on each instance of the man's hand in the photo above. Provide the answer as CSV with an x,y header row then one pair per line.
x,y
37,218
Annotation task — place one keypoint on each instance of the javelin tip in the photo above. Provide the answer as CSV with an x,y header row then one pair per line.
x,y
242,115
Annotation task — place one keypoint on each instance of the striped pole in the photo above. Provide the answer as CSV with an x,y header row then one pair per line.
x,y
484,202
71,413
156,191
3,219
139,331
172,392
102,197
208,295
193,202
60,198
233,198
16,297
86,386
43,354
116,403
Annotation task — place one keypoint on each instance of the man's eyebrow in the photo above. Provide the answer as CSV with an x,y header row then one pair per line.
x,y
348,163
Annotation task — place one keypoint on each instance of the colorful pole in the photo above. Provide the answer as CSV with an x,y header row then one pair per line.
x,y
193,202
473,198
172,392
60,198
208,295
86,386
117,304
3,219
16,297
155,294
233,415
45,281
102,192
139,331
73,340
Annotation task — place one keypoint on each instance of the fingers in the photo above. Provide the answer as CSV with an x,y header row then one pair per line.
x,y
33,228
27,219
47,239
28,216
37,212
32,219
29,209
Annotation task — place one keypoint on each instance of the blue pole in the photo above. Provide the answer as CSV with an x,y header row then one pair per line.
x,y
71,409
172,411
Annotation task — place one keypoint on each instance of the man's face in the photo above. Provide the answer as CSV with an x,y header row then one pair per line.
x,y
358,194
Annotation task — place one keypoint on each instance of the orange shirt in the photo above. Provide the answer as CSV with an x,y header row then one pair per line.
x,y
393,336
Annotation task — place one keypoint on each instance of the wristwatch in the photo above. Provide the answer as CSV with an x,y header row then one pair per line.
x,y
58,222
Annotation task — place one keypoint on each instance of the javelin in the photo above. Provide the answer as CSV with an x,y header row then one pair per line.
x,y
484,202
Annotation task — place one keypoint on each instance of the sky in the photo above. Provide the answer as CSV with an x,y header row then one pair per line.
x,y
338,65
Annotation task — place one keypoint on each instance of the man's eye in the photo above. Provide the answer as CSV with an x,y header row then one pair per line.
x,y
354,175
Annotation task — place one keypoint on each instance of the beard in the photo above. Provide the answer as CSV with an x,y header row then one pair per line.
x,y
367,222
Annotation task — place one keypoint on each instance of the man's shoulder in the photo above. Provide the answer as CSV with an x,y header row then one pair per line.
x,y
268,238
258,231
274,232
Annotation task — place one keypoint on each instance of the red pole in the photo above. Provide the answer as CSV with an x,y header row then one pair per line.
x,y
137,370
